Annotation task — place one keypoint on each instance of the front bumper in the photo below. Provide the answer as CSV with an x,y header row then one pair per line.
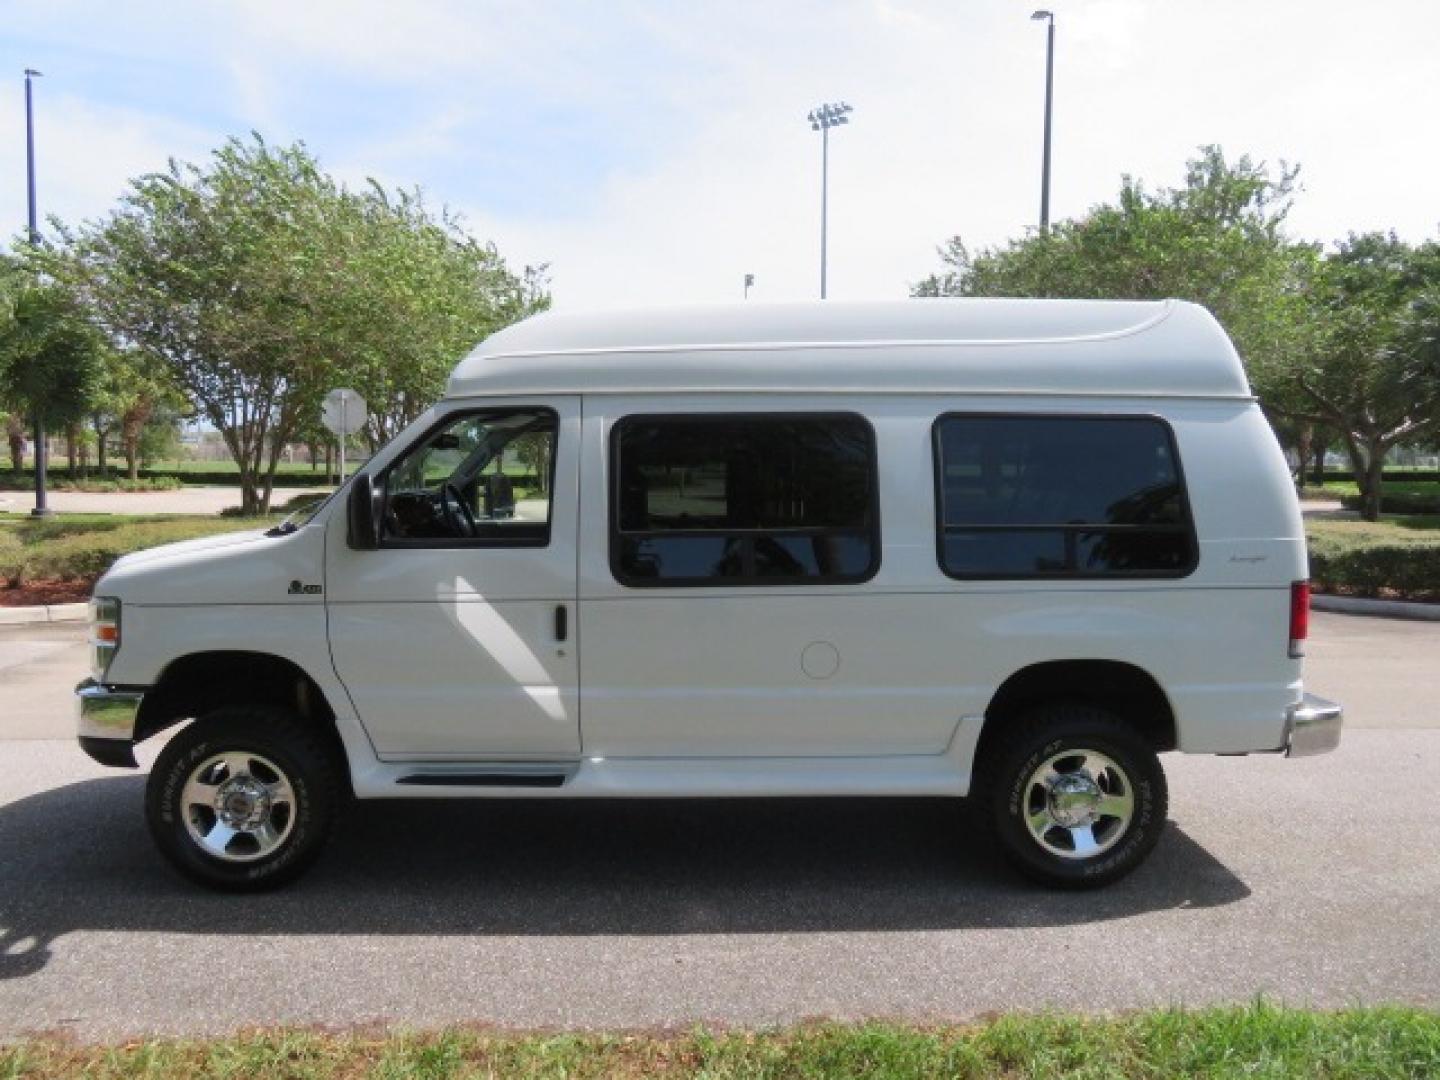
x,y
106,723
1312,726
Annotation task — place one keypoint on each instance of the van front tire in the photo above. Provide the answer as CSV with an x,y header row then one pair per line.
x,y
1074,797
243,799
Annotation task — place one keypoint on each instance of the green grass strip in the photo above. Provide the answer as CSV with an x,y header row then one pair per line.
x,y
1258,1041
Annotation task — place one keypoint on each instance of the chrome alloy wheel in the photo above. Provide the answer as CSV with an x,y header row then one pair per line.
x,y
1078,804
238,806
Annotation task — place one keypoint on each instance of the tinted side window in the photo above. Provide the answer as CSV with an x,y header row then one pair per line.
x,y
752,499
1028,496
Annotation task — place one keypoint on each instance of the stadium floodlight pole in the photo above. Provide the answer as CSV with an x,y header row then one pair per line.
x,y
1049,19
822,118
41,507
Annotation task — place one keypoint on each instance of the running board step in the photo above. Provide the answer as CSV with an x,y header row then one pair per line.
x,y
486,779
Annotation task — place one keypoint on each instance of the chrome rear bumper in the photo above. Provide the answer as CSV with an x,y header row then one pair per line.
x,y
1312,726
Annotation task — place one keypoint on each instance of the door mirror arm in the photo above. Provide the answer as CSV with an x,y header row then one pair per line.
x,y
363,517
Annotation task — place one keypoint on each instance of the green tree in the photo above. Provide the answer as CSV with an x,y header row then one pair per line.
x,y
533,451
1418,337
158,438
1369,368
134,391
1344,345
319,444
257,283
206,271
417,293
15,436
1218,240
50,353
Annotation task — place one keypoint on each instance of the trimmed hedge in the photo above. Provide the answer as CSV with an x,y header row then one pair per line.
x,y
1384,559
1406,572
61,481
1392,475
1398,504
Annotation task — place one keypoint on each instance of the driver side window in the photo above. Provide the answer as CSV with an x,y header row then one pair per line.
x,y
481,478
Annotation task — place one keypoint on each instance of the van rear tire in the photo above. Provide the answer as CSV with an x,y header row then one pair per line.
x,y
244,799
1074,797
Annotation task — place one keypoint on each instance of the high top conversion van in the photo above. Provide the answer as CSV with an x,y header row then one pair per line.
x,y
1010,550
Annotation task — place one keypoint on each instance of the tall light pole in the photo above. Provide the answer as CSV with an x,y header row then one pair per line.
x,y
41,509
822,119
1049,18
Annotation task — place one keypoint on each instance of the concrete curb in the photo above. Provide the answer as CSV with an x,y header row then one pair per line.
x,y
44,613
1385,609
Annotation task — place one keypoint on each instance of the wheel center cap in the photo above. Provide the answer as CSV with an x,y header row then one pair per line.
x,y
1074,800
243,803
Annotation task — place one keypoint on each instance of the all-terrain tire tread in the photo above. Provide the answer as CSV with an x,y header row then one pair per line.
x,y
1047,723
273,729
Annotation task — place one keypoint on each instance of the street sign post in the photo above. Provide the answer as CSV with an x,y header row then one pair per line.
x,y
344,413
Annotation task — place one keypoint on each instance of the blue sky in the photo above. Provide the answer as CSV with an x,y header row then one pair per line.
x,y
656,152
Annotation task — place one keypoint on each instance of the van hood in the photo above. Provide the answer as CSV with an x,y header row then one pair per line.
x,y
189,547
254,567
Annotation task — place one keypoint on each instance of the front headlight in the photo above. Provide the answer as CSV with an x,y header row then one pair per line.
x,y
104,634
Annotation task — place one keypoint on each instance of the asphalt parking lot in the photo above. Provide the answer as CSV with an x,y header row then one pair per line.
x,y
1313,881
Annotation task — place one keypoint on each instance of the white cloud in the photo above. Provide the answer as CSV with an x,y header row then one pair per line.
x,y
1109,33
86,152
255,98
946,139
926,154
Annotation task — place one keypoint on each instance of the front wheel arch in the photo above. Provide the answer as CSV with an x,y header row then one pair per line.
x,y
199,683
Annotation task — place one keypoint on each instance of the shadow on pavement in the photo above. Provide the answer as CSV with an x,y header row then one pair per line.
x,y
79,858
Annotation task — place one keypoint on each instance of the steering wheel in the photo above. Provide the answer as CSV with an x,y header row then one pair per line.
x,y
456,511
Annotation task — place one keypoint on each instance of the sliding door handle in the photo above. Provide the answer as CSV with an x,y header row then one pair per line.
x,y
562,622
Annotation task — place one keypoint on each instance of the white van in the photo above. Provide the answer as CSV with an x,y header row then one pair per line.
x,y
1006,549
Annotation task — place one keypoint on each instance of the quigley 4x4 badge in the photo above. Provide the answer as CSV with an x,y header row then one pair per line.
x,y
299,588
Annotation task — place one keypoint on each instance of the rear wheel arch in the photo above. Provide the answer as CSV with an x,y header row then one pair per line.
x,y
1122,688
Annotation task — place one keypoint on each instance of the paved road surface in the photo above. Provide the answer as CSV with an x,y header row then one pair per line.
x,y
1315,881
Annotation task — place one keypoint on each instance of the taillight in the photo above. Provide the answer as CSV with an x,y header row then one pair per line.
x,y
1299,617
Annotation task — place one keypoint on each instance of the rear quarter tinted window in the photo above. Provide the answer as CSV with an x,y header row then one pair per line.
x,y
1060,496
